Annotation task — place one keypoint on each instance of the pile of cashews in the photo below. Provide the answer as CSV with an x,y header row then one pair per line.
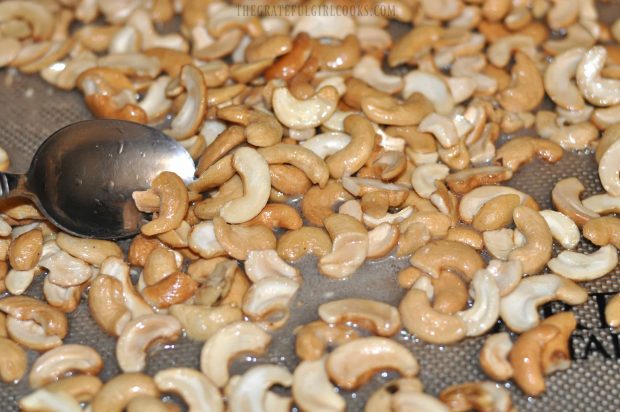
x,y
287,111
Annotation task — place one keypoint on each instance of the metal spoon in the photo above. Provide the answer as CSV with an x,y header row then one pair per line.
x,y
82,177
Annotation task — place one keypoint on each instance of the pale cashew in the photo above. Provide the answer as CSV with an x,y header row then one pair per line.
x,y
432,86
121,389
604,118
312,390
200,322
442,128
603,204
369,70
558,80
325,26
92,251
349,246
500,51
226,344
48,320
326,144
417,401
389,111
238,241
195,388
249,393
147,403
507,274
350,159
254,172
381,240
519,309
608,169
581,267
473,201
597,90
536,252
556,353
141,333
440,255
565,198
424,176
119,270
302,114
45,401
381,399
443,9
65,270
202,240
526,90
380,318
294,244
13,361
484,312
189,118
521,150
525,358
82,388
603,231
175,288
268,300
563,229
428,324
55,363
173,204
312,165
494,356
352,364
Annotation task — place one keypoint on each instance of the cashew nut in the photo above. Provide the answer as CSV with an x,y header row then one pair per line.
x,y
494,356
349,246
581,267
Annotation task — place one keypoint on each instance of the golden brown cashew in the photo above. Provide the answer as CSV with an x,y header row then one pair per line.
x,y
210,207
268,46
261,129
466,180
200,322
173,204
352,364
413,45
277,215
378,317
555,354
121,389
289,179
174,288
349,160
388,110
565,198
13,361
25,250
313,166
57,362
441,255
526,358
223,143
603,231
312,339
24,308
81,387
521,150
290,63
496,213
294,244
238,241
318,203
105,301
527,90
535,254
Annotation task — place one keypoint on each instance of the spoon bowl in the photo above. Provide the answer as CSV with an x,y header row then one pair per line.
x,y
82,177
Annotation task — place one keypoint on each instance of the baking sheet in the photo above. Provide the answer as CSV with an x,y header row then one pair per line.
x,y
31,110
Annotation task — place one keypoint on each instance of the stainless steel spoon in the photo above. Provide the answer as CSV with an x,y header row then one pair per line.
x,y
82,177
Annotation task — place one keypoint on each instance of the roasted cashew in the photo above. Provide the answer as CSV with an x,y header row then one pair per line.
x,y
378,317
92,251
121,389
521,150
349,246
313,166
477,396
556,353
238,241
312,390
13,361
318,203
494,356
349,160
536,252
194,387
527,89
173,204
440,255
565,197
603,231
294,244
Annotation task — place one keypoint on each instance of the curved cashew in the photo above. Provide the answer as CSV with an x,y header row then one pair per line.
x,y
424,176
312,390
597,90
64,270
558,80
268,300
226,344
238,241
303,114
603,231
581,267
249,392
43,400
349,246
350,159
494,356
92,251
526,90
173,204
603,204
473,201
105,301
202,240
484,312
443,9
563,229
189,118
432,86
496,213
25,250
254,172
55,363
565,197
507,274
441,255
442,128
312,165
477,396
82,388
519,309
525,358
420,319
556,353
389,111
177,287
139,334
381,240
369,70
121,389
466,180
294,244
354,363
326,144
414,44
521,150
262,264
608,169
197,391
13,361
380,318
24,308
500,51
119,270
536,252
200,322
381,399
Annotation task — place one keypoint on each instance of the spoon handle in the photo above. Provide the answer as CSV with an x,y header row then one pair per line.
x,y
9,182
